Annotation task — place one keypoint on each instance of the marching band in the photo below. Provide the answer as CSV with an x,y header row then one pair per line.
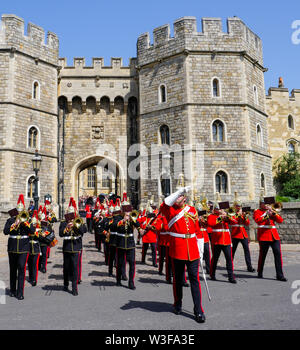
x,y
183,235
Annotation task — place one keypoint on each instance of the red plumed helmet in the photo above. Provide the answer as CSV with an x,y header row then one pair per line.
x,y
21,203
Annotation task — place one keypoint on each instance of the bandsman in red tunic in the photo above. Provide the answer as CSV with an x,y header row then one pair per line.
x,y
148,231
267,236
183,231
203,215
221,240
239,233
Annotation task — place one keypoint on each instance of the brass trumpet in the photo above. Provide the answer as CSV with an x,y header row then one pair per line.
x,y
78,222
277,207
23,216
134,215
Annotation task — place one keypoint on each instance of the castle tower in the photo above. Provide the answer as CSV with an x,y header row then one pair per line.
x,y
28,109
202,94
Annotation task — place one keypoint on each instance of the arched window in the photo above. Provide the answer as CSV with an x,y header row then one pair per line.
x,y
36,90
255,94
30,187
221,180
218,131
258,135
216,87
33,137
291,147
164,135
291,122
262,181
162,94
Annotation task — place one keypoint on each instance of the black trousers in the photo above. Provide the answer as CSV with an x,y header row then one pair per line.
x,y
17,271
33,263
106,252
153,252
89,224
71,269
206,257
245,244
44,257
164,257
217,249
263,250
178,267
111,258
124,256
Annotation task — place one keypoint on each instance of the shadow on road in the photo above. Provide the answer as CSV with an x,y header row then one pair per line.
x,y
153,306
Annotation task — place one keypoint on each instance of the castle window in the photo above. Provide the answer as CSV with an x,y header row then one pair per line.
x,y
221,181
218,131
291,147
291,122
164,135
258,135
165,186
255,94
216,88
162,94
30,187
36,90
33,137
262,181
91,177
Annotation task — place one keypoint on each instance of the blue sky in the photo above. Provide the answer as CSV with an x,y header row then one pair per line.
x,y
96,28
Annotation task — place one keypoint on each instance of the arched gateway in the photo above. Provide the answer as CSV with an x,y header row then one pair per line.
x,y
97,174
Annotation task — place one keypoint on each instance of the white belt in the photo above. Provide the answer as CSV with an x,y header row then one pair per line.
x,y
71,237
164,233
181,235
35,242
266,226
202,229
237,225
113,233
220,230
19,237
124,234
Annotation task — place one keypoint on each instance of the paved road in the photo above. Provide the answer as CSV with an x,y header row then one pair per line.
x,y
251,304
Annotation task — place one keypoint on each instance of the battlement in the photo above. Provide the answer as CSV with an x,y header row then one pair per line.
x,y
12,34
212,37
276,93
98,68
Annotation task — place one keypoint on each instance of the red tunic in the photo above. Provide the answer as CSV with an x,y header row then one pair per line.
x,y
163,236
220,231
266,230
150,236
238,230
183,233
203,230
88,211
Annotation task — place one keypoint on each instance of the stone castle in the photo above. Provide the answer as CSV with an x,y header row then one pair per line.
x,y
197,93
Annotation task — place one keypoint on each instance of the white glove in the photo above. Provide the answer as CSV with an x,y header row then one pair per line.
x,y
171,199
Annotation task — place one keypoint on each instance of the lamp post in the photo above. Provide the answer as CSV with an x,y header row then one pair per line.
x,y
36,164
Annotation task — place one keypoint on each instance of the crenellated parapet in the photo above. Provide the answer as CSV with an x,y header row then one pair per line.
x,y
12,36
116,68
238,38
275,93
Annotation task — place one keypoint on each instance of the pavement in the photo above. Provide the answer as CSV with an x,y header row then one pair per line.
x,y
251,304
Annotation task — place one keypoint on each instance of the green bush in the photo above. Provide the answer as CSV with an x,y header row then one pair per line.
x,y
291,188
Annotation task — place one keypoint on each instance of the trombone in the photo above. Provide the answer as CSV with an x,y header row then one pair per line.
x,y
23,216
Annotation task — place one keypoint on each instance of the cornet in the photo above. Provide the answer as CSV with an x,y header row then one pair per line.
x,y
23,216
